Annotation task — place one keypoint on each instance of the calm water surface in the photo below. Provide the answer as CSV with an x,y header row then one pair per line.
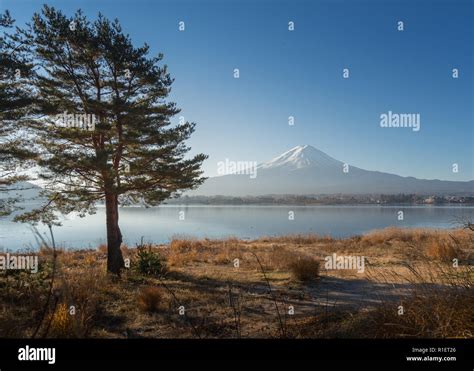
x,y
162,223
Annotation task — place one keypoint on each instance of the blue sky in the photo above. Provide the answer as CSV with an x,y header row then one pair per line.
x,y
299,74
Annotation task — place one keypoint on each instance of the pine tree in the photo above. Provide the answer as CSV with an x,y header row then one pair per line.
x,y
15,101
103,127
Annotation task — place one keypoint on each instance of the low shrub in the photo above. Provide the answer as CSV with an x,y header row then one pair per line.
x,y
149,262
149,299
304,268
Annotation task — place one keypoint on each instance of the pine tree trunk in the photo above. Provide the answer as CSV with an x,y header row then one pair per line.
x,y
114,237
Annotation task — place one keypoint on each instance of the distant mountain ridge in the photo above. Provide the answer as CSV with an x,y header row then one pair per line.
x,y
305,170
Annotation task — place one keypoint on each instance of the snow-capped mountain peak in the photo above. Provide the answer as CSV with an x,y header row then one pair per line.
x,y
305,170
301,157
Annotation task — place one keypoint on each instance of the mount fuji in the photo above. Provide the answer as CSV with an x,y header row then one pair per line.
x,y
305,170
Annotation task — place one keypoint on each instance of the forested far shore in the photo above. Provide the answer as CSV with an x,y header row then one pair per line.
x,y
409,199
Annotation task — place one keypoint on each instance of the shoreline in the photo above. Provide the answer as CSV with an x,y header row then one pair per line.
x,y
63,244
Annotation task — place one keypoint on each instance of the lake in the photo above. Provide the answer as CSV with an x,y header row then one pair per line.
x,y
162,223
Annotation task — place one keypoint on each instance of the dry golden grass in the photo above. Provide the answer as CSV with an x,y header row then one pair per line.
x,y
102,248
443,250
304,268
397,234
414,235
84,293
279,258
185,245
439,305
301,266
62,324
299,239
437,298
182,252
440,314
150,299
